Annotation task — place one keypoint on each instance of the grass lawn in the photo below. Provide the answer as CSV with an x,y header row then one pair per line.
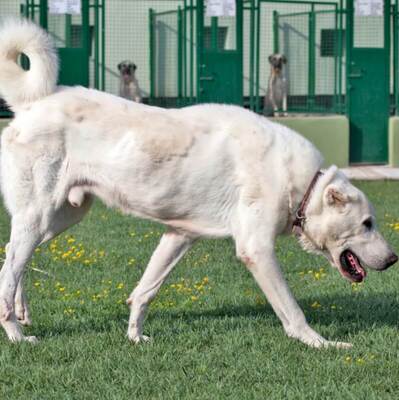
x,y
214,335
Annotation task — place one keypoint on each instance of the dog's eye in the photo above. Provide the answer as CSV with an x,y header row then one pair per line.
x,y
368,223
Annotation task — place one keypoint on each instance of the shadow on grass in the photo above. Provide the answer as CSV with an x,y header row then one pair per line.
x,y
352,315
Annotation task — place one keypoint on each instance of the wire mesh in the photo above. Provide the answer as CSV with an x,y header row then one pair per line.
x,y
7,8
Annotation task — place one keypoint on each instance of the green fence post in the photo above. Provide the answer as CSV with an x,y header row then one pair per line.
x,y
275,33
200,43
96,45
191,52
43,13
251,55
341,103
179,55
257,56
103,45
311,59
185,51
151,19
395,57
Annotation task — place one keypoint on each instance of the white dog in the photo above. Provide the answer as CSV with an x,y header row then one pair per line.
x,y
203,171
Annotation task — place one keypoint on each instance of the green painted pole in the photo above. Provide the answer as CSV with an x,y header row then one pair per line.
x,y
43,12
191,52
257,83
103,45
349,44
252,55
151,19
340,57
311,59
214,33
179,55
200,44
239,47
335,99
185,51
395,57
96,45
275,33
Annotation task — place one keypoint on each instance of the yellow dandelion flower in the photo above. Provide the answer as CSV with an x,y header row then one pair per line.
x,y
120,286
194,298
315,305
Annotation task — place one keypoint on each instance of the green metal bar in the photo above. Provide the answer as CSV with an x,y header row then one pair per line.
x,y
340,57
214,33
68,33
257,29
298,14
43,14
318,3
165,12
239,44
349,44
200,44
395,57
387,45
179,55
185,50
96,45
151,18
275,32
86,31
103,45
311,59
335,99
251,54
191,52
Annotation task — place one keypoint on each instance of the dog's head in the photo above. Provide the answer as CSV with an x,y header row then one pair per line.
x,y
340,224
277,61
127,69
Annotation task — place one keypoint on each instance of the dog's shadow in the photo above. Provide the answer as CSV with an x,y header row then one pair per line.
x,y
345,314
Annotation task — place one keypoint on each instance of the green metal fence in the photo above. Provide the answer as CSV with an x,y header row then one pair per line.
x,y
311,37
161,38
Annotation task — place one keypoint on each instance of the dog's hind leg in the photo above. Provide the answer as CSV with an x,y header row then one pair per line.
x,y
171,248
67,216
25,236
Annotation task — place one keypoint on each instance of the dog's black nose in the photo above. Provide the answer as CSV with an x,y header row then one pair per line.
x,y
391,260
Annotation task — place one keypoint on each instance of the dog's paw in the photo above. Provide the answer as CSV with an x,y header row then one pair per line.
x,y
136,339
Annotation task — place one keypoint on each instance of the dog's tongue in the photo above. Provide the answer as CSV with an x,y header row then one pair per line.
x,y
351,267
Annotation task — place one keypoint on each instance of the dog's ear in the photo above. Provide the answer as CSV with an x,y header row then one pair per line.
x,y
334,197
134,67
271,58
119,66
284,59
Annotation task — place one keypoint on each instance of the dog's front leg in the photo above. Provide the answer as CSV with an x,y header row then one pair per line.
x,y
21,305
262,263
285,103
171,248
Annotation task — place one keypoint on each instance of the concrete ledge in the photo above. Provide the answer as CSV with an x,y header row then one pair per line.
x,y
330,134
393,142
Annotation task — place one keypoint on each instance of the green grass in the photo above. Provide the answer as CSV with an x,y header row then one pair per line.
x,y
214,335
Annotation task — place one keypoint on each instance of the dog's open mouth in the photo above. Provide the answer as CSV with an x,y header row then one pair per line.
x,y
350,267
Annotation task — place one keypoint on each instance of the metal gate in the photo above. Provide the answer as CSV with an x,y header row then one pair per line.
x,y
77,37
368,80
195,58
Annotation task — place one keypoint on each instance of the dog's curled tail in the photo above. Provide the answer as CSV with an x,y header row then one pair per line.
x,y
17,86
